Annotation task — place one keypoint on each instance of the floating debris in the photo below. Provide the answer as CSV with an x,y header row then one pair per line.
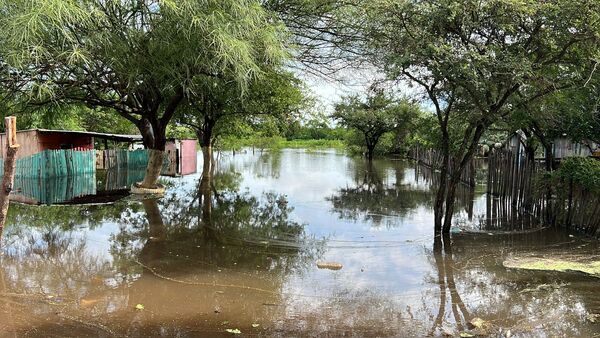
x,y
329,265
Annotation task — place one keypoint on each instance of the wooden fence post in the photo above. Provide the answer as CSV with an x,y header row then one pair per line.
x,y
10,164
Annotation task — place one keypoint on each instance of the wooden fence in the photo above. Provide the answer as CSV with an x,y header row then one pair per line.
x,y
518,193
511,176
434,158
575,207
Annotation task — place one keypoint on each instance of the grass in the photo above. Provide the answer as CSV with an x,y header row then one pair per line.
x,y
280,143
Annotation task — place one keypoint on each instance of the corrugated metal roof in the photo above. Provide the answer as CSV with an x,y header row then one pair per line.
x,y
113,137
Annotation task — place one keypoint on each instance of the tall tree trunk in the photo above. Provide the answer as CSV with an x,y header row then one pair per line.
x,y
455,174
154,168
438,207
370,143
370,150
155,140
205,135
451,199
549,156
207,161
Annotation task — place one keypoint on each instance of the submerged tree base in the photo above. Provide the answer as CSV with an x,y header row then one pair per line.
x,y
591,268
136,188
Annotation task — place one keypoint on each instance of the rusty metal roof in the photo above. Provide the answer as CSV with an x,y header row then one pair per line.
x,y
112,137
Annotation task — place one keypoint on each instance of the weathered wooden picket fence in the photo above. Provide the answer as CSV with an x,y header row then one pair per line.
x,y
55,163
511,176
518,193
434,158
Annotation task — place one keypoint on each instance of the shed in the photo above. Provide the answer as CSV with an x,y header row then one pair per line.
x,y
34,141
46,152
182,155
564,147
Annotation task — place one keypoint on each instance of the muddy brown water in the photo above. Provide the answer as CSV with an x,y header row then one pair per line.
x,y
240,253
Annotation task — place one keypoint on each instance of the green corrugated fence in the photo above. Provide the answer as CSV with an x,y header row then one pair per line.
x,y
56,189
69,162
55,163
130,159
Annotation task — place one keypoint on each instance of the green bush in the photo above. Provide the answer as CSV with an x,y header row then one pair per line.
x,y
582,171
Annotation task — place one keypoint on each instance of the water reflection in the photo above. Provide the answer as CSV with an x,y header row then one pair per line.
x,y
378,194
101,186
444,263
241,249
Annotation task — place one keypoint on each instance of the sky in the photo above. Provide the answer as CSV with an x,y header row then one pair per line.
x,y
350,82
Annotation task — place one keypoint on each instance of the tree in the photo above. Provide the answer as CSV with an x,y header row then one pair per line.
x,y
141,59
222,107
476,61
320,34
571,113
374,115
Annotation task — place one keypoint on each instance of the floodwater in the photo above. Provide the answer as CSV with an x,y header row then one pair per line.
x,y
240,252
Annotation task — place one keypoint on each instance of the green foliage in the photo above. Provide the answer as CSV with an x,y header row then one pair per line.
x,y
271,132
278,142
571,112
314,129
142,60
375,116
582,171
267,104
172,41
476,61
180,132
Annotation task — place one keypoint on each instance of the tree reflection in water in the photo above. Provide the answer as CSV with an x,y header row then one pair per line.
x,y
378,194
444,263
194,259
49,271
210,253
222,253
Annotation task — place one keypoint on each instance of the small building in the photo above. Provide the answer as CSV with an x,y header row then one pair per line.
x,y
61,166
183,157
55,153
34,141
562,147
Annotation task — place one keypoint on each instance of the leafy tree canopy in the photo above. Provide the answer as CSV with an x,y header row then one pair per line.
x,y
374,115
142,59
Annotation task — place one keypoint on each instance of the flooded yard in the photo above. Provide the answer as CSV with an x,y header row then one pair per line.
x,y
237,255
